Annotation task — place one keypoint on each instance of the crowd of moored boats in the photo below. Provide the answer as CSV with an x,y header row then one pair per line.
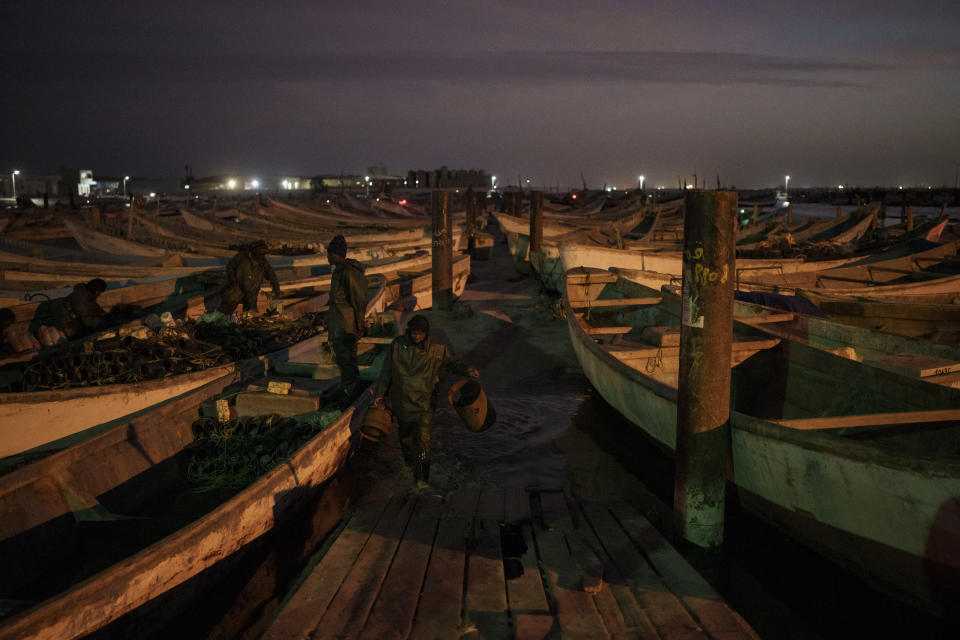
x,y
845,397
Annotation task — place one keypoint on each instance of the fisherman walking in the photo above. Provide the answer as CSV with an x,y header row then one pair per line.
x,y
346,319
79,313
246,272
411,376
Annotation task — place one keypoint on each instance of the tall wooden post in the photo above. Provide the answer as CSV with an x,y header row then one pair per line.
x,y
756,212
536,221
471,220
706,333
839,211
516,204
790,213
910,218
130,221
903,208
442,252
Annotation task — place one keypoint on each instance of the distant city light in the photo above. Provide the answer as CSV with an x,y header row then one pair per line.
x,y
153,194
641,179
231,184
255,183
186,186
901,187
839,186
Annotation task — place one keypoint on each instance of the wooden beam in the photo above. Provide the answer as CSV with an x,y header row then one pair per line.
x,y
604,277
872,419
616,302
764,319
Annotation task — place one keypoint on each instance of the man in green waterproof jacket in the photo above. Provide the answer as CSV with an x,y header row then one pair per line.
x,y
346,319
411,375
246,272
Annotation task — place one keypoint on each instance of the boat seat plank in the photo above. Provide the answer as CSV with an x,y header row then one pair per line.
x,y
872,419
766,318
662,336
597,277
578,305
915,365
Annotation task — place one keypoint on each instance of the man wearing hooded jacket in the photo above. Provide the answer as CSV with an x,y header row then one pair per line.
x,y
346,317
246,271
410,374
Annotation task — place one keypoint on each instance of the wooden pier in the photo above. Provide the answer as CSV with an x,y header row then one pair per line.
x,y
498,563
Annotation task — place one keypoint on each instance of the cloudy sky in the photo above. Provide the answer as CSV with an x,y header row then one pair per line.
x,y
858,92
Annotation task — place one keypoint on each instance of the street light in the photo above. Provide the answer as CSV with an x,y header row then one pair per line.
x,y
786,185
125,178
13,178
641,180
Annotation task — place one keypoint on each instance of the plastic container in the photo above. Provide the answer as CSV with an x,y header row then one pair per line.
x,y
470,402
377,424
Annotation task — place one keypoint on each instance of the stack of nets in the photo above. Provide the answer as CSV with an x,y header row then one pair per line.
x,y
188,348
233,454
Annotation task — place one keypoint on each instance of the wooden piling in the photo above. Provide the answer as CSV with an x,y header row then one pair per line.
x,y
903,208
513,203
790,213
839,211
756,212
703,401
471,219
442,251
130,221
910,218
536,220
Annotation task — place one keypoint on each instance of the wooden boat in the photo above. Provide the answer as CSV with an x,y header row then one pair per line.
x,y
934,317
117,474
340,218
404,286
96,242
931,361
32,419
929,271
670,262
852,459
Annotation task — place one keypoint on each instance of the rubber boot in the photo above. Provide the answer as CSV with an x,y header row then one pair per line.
x,y
421,473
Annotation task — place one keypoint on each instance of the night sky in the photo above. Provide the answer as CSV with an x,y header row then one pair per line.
x,y
863,92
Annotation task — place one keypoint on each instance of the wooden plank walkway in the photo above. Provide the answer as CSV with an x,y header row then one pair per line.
x,y
501,564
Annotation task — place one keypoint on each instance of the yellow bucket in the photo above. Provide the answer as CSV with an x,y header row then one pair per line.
x,y
377,424
470,402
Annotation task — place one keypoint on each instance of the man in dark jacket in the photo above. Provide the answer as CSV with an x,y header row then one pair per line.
x,y
346,317
246,272
411,375
79,313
